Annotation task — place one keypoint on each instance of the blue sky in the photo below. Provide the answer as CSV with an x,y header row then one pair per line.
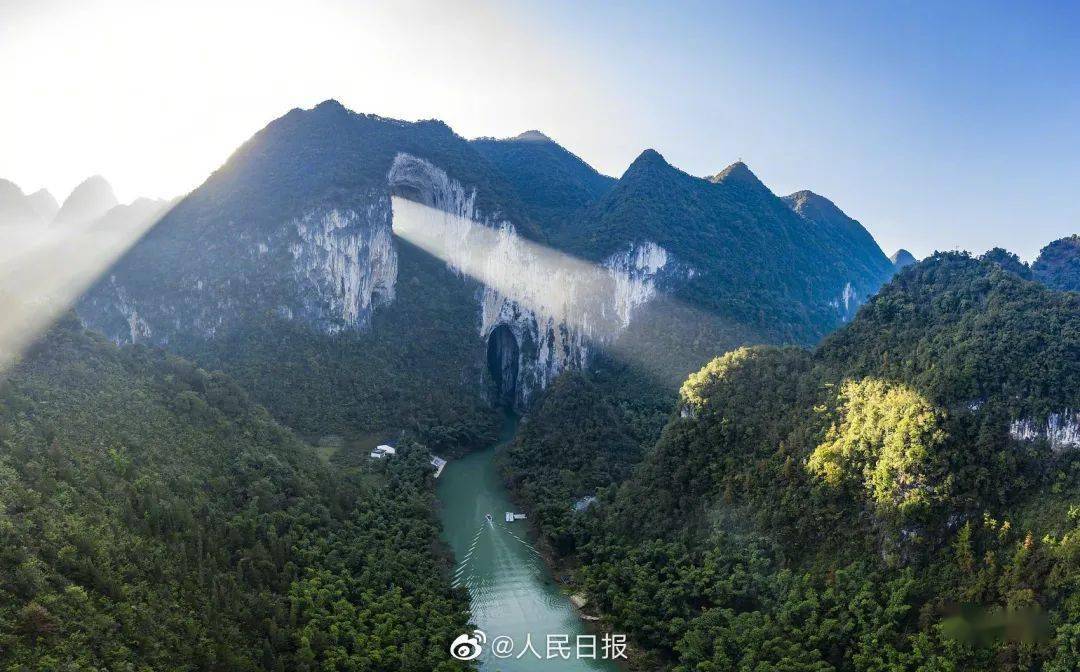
x,y
937,127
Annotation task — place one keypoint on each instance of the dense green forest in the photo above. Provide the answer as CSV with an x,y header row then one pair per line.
x,y
552,462
554,185
859,507
153,518
419,368
1058,264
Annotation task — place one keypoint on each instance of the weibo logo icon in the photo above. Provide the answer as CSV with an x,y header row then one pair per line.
x,y
468,647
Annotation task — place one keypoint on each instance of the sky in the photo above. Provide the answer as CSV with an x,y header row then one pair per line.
x,y
937,127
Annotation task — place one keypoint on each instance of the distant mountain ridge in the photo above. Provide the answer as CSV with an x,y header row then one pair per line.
x,y
87,202
16,209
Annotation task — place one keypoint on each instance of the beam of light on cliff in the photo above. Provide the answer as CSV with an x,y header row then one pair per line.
x,y
615,305
44,269
598,301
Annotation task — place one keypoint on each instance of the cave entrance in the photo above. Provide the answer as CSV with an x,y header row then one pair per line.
x,y
502,358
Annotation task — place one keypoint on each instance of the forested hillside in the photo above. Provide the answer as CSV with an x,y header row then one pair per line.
x,y
554,184
417,369
757,261
1058,264
901,498
153,518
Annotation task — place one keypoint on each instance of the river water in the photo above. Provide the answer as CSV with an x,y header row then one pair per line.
x,y
511,590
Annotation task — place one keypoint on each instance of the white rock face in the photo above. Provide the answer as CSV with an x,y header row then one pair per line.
x,y
634,273
139,328
1060,430
556,305
330,269
847,303
348,259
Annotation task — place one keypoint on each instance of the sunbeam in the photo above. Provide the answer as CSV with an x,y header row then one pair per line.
x,y
617,305
46,269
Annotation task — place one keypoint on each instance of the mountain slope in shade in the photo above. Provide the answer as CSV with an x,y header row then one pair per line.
x,y
902,258
841,233
283,265
552,182
16,209
1058,264
748,254
44,204
297,222
86,203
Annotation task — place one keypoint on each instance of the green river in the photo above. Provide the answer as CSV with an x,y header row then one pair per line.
x,y
511,590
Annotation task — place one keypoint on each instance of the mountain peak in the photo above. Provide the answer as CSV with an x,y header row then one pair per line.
x,y
807,196
18,208
331,104
902,258
9,189
95,182
44,203
88,201
15,207
814,207
648,160
738,174
328,111
532,136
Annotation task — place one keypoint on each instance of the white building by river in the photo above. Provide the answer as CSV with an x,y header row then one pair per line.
x,y
382,451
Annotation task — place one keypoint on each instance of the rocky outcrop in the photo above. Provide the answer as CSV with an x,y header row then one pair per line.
x,y
1060,430
333,266
847,304
346,262
329,268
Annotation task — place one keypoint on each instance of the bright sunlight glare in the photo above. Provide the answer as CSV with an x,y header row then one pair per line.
x,y
46,269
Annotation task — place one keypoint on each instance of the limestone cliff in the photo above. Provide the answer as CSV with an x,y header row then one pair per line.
x,y
556,306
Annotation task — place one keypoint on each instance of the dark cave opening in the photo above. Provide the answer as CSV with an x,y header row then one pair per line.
x,y
502,358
